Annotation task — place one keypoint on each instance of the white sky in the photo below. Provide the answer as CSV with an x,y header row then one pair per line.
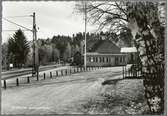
x,y
52,18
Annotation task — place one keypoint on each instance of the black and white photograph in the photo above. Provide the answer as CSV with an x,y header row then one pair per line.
x,y
83,57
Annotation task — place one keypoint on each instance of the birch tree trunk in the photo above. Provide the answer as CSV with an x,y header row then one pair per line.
x,y
148,34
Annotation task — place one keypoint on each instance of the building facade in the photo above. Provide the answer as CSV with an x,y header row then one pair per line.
x,y
106,54
98,59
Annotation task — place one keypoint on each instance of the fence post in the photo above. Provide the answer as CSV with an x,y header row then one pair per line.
x,y
131,73
137,73
123,71
37,75
61,72
44,76
70,71
17,82
66,72
77,70
57,73
74,69
28,79
4,81
50,74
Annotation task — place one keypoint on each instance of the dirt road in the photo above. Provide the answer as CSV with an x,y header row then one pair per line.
x,y
63,95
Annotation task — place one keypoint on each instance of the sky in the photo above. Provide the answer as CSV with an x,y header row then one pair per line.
x,y
52,18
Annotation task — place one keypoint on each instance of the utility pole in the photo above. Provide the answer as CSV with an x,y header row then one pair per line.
x,y
35,50
85,34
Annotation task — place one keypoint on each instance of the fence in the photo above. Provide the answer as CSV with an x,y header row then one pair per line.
x,y
131,72
57,73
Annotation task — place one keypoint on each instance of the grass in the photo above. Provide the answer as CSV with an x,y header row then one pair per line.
x,y
123,97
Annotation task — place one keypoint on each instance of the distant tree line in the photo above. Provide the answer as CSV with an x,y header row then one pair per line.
x,y
59,48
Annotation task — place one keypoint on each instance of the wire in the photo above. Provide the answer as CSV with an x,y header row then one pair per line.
x,y
12,30
16,24
18,16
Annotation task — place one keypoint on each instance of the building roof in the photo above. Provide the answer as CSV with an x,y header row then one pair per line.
x,y
103,46
128,50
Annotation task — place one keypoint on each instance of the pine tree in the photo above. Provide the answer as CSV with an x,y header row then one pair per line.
x,y
18,48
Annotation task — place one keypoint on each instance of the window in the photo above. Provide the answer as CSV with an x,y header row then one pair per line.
x,y
123,59
120,59
103,59
107,59
91,59
96,59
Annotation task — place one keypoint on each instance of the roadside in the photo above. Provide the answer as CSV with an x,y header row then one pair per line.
x,y
121,97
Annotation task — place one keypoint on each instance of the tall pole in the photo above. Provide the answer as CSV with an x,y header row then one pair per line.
x,y
33,31
85,34
35,50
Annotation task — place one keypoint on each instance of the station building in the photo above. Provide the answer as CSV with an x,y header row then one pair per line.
x,y
105,53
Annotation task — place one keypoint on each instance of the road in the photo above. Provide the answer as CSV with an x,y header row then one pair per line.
x,y
63,95
25,71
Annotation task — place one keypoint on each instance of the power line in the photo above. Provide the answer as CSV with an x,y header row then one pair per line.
x,y
16,24
12,30
18,16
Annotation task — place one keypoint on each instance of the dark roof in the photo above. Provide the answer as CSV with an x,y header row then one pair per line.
x,y
102,46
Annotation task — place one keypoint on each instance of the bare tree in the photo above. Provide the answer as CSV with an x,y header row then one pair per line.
x,y
109,15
